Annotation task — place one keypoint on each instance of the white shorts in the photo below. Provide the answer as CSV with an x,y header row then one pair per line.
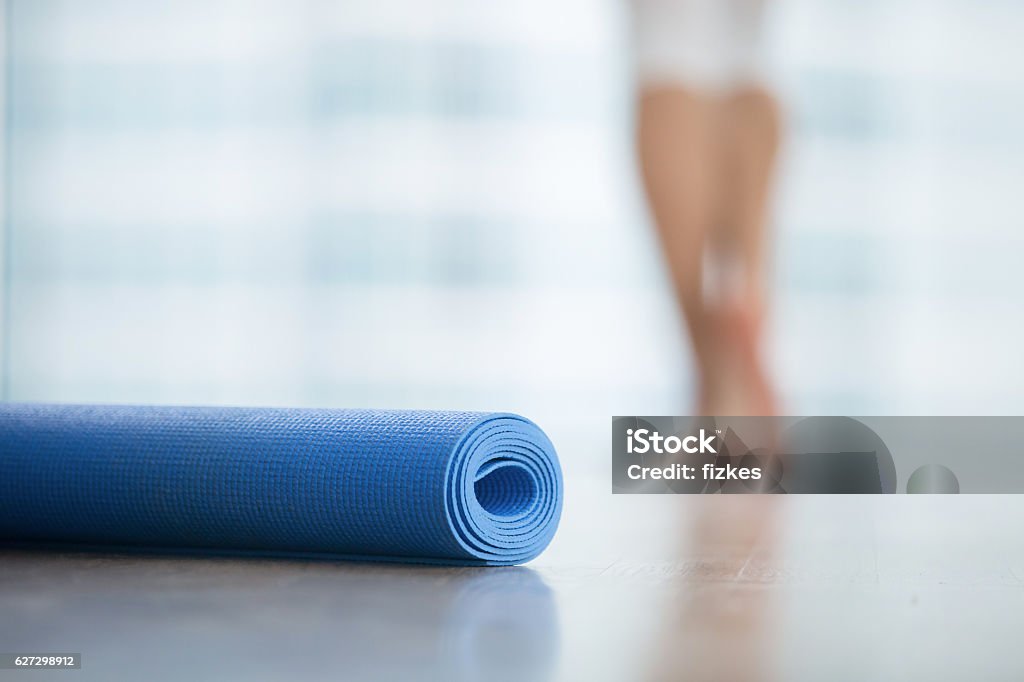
x,y
703,44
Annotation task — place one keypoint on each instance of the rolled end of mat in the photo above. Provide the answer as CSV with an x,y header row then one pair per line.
x,y
504,490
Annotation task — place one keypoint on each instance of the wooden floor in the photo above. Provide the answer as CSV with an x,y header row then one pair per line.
x,y
634,587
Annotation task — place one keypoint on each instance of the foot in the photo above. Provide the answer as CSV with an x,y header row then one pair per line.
x,y
737,383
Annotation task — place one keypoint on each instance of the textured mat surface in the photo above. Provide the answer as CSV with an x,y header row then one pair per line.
x,y
445,487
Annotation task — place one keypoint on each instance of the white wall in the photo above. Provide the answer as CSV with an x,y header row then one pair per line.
x,y
435,205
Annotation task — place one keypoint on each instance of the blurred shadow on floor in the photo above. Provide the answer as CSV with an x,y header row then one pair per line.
x,y
719,619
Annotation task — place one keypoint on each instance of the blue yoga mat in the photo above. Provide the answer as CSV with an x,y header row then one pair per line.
x,y
438,487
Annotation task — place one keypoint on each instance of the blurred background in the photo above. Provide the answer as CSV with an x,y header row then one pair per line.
x,y
392,203
436,205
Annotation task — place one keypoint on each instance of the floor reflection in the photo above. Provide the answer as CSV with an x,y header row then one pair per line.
x,y
719,620
159,618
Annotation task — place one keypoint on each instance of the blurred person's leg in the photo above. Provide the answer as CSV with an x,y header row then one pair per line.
x,y
707,138
677,149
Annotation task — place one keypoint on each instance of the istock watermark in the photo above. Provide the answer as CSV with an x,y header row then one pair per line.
x,y
794,455
641,441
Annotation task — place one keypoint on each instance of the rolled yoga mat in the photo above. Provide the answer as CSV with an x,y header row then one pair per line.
x,y
437,487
